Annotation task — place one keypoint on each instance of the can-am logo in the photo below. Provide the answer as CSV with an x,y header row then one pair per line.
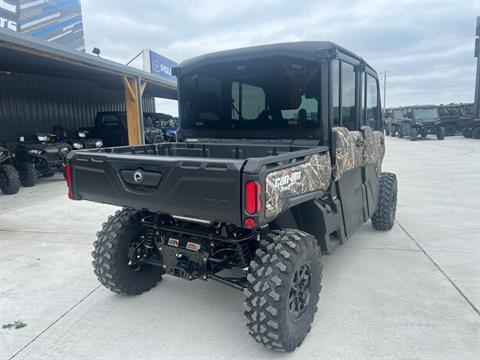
x,y
288,179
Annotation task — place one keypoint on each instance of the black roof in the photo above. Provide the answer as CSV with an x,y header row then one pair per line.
x,y
308,50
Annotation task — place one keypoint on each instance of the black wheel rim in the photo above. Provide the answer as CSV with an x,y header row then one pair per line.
x,y
300,291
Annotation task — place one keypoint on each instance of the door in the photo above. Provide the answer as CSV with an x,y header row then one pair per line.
x,y
348,144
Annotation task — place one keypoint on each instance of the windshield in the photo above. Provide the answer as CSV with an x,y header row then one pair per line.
x,y
398,114
283,95
426,113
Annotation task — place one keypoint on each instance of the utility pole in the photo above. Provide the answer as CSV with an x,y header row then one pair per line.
x,y
384,90
477,80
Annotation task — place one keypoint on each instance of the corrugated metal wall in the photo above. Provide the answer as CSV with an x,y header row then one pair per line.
x,y
34,103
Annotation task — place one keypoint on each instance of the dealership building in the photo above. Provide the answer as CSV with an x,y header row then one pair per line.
x,y
46,78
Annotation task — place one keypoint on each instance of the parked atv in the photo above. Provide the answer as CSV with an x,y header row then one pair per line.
x,y
79,139
472,127
166,123
151,130
9,178
170,129
42,155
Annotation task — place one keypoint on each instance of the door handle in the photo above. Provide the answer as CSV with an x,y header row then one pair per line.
x,y
359,142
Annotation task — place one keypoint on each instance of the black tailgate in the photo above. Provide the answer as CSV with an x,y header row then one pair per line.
x,y
207,189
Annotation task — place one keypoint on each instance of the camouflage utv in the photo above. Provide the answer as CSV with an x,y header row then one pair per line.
x,y
278,160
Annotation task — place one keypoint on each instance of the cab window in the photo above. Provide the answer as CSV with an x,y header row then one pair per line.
x,y
335,73
371,102
348,96
248,101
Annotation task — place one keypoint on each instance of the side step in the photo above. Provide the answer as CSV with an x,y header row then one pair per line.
x,y
325,223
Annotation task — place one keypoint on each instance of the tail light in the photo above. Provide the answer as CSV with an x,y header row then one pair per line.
x,y
253,197
68,176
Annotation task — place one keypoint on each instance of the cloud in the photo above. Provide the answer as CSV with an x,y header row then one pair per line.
x,y
426,47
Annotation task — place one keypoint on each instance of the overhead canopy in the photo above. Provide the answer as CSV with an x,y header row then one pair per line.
x,y
25,54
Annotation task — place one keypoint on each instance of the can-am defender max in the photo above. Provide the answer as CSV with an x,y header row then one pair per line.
x,y
279,160
9,178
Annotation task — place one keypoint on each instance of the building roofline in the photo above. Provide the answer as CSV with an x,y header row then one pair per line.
x,y
26,43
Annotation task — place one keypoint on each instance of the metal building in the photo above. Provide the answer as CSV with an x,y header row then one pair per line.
x,y
42,84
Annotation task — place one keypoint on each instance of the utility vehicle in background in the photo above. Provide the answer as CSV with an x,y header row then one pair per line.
x,y
9,178
41,155
78,139
397,119
453,117
421,120
279,160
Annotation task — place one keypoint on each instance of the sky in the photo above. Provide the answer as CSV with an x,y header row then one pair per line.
x,y
425,47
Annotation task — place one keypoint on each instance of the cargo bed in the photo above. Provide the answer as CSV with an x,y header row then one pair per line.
x,y
195,180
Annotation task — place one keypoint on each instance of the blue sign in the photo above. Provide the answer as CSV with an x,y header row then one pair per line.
x,y
161,66
56,21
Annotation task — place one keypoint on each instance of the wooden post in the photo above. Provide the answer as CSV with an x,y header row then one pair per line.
x,y
132,109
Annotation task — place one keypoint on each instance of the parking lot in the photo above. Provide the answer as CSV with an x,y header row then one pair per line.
x,y
411,293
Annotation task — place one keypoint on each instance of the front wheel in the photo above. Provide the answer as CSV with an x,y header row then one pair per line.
x,y
476,133
284,284
413,134
28,174
441,133
467,133
9,179
384,217
114,255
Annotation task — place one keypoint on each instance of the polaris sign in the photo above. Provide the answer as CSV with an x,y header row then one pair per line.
x,y
159,65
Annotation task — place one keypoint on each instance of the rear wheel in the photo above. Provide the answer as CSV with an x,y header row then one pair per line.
x,y
384,216
424,133
28,174
413,134
450,130
284,284
9,179
441,133
114,255
476,133
467,133
48,174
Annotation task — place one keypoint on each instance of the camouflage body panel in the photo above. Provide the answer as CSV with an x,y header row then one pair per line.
x,y
374,148
356,137
348,150
314,175
355,148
